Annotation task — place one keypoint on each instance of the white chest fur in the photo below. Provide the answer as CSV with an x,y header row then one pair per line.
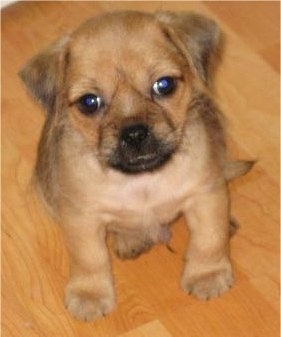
x,y
143,200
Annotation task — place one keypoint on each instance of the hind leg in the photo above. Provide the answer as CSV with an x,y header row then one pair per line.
x,y
131,245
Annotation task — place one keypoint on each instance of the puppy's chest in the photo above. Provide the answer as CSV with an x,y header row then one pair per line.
x,y
143,202
134,201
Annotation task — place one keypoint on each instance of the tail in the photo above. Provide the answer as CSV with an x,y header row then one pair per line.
x,y
237,168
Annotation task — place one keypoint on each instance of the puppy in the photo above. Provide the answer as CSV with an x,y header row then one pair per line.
x,y
133,139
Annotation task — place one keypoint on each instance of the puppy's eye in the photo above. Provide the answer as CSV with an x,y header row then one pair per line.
x,y
90,103
164,86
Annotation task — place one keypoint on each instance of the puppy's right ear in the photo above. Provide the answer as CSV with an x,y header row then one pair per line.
x,y
42,73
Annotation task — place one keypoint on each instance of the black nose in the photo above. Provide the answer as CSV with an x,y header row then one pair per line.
x,y
135,135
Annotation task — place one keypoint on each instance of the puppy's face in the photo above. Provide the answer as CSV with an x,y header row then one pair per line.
x,y
127,92
124,82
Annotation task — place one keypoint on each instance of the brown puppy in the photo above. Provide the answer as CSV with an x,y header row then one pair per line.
x,y
132,139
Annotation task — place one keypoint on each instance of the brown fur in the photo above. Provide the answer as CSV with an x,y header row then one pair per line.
x,y
119,56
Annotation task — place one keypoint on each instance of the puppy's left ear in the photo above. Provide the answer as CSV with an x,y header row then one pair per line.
x,y
42,73
197,37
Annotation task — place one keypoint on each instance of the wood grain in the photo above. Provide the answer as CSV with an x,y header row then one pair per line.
x,y
150,302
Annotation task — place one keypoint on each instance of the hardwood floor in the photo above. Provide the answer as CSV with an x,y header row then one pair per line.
x,y
150,302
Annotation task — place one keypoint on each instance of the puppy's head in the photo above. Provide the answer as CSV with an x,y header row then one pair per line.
x,y
124,82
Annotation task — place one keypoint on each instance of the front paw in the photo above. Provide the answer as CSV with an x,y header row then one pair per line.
x,y
88,307
208,285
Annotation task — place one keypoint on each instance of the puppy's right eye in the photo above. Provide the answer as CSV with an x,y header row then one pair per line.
x,y
89,104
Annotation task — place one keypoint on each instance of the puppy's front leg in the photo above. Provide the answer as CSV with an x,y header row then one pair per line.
x,y
90,291
207,271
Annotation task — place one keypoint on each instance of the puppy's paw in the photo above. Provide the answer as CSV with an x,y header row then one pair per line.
x,y
88,308
209,285
131,247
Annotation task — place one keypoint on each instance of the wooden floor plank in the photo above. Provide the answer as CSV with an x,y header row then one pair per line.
x,y
154,328
249,19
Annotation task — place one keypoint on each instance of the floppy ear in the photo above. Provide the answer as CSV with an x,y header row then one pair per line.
x,y
42,73
197,37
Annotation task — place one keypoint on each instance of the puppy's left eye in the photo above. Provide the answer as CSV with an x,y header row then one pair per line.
x,y
164,86
90,103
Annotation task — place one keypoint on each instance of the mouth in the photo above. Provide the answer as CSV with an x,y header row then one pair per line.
x,y
142,163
